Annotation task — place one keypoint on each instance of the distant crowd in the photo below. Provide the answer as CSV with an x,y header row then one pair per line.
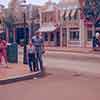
x,y
35,50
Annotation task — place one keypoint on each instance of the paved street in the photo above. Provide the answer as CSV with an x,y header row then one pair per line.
x,y
67,33
61,83
77,62
58,85
73,61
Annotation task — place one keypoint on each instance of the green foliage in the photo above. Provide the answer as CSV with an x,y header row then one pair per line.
x,y
11,37
92,10
9,22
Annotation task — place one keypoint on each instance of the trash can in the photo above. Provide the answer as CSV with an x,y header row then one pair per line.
x,y
12,53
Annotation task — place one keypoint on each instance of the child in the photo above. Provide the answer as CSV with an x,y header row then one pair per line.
x,y
31,57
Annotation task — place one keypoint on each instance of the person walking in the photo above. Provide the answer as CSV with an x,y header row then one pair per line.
x,y
38,42
3,50
31,57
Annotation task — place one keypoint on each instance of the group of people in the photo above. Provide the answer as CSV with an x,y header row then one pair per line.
x,y
35,51
3,51
96,41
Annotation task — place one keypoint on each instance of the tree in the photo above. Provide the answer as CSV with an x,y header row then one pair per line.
x,y
9,23
92,12
13,12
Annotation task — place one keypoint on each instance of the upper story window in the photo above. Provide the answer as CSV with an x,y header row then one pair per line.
x,y
89,35
52,36
77,14
48,17
0,21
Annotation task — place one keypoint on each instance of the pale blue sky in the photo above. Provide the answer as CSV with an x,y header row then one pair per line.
x,y
38,2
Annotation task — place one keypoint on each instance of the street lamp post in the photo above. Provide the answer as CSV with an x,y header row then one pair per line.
x,y
25,43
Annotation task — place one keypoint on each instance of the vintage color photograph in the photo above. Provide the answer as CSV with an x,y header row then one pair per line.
x,y
49,49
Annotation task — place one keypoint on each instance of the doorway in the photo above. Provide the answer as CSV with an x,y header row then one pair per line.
x,y
20,34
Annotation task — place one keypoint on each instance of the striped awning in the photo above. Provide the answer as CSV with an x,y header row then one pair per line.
x,y
73,13
67,13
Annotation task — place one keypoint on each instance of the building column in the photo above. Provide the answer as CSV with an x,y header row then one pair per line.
x,y
30,31
40,13
7,35
68,33
61,37
82,34
49,42
55,38
61,31
14,34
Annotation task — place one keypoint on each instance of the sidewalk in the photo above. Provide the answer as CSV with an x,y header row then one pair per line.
x,y
75,50
15,72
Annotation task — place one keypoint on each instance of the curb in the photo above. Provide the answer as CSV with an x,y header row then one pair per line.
x,y
73,56
74,51
83,52
14,79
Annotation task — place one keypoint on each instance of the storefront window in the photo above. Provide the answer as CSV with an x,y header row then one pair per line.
x,y
46,36
74,35
64,36
3,35
89,36
52,37
0,21
11,37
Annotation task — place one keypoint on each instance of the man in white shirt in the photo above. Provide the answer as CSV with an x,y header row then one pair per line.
x,y
38,42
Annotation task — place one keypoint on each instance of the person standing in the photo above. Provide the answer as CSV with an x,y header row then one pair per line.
x,y
31,57
38,42
3,51
96,41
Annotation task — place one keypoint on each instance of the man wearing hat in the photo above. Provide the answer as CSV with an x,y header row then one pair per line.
x,y
38,42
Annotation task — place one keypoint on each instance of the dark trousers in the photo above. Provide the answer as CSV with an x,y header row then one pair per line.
x,y
39,61
95,42
32,62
